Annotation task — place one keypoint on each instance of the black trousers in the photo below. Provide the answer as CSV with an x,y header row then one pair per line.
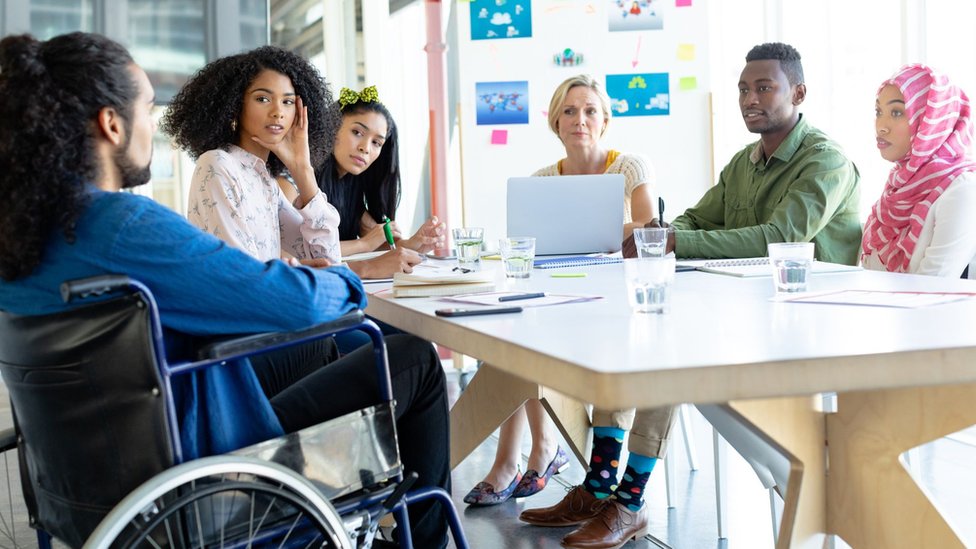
x,y
309,384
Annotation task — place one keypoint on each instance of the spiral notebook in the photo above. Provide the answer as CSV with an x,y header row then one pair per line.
x,y
754,266
574,261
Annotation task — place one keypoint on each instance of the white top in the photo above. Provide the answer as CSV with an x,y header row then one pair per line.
x,y
234,197
947,242
636,170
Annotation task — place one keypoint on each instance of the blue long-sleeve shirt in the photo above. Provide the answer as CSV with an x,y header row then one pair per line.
x,y
202,287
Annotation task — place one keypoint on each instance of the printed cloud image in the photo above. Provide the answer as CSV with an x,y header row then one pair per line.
x,y
494,19
639,94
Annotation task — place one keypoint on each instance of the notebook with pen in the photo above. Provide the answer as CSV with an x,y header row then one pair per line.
x,y
567,214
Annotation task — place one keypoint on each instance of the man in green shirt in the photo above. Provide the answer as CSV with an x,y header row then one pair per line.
x,y
793,185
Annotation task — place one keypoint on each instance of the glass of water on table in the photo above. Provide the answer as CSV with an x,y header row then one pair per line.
x,y
792,262
518,255
467,241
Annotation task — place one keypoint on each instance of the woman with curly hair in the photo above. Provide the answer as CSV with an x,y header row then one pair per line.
x,y
246,118
362,180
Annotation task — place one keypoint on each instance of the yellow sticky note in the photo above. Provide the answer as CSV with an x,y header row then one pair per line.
x,y
688,83
686,52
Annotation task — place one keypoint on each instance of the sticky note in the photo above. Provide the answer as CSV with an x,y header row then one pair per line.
x,y
682,3
686,52
688,83
499,137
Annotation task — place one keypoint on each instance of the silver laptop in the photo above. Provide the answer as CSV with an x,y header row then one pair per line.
x,y
568,214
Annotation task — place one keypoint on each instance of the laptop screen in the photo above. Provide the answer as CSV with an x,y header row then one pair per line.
x,y
568,214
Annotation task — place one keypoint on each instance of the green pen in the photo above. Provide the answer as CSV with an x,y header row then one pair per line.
x,y
388,232
568,275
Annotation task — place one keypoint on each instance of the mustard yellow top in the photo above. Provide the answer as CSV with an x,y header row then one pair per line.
x,y
611,158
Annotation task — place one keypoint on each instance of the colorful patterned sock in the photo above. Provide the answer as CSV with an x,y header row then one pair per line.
x,y
602,476
631,489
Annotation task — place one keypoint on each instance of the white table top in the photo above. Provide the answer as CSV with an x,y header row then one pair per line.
x,y
724,339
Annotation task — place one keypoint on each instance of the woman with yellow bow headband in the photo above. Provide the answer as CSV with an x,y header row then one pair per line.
x,y
362,180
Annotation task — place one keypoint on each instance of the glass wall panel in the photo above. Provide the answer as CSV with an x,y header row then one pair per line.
x,y
168,39
49,18
254,23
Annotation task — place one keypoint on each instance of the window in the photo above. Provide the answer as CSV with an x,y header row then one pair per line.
x,y
49,18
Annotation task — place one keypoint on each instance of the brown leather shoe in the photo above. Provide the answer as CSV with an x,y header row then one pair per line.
x,y
576,508
613,527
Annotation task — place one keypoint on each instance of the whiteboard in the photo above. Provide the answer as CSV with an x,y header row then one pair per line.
x,y
678,144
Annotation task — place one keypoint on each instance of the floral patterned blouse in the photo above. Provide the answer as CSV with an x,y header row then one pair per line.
x,y
234,197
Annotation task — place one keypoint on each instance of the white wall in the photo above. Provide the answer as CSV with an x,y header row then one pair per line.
x,y
677,145
848,49
396,63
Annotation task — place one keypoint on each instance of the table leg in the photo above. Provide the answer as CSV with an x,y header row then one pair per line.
x,y
794,430
874,502
572,420
493,395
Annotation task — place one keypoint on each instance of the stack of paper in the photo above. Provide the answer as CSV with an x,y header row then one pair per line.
x,y
428,280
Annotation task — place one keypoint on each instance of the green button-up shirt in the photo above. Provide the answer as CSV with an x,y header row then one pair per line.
x,y
807,191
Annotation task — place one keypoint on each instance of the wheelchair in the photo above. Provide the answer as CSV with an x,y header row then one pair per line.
x,y
99,451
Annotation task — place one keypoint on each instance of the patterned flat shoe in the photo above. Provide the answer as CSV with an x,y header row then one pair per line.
x,y
484,493
532,483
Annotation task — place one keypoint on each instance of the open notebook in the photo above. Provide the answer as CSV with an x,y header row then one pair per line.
x,y
428,280
753,266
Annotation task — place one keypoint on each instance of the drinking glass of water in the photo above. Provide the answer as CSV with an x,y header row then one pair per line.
x,y
651,241
518,255
467,241
649,282
792,262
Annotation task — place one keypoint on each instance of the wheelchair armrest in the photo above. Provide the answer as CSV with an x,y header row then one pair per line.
x,y
8,440
93,286
247,345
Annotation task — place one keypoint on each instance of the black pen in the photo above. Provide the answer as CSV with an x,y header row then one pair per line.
x,y
518,297
660,210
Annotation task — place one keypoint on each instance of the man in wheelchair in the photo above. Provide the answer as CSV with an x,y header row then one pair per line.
x,y
76,127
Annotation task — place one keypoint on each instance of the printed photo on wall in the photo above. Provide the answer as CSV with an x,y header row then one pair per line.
x,y
491,19
502,102
639,94
634,15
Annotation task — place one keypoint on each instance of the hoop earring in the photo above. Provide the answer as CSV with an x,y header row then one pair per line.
x,y
233,125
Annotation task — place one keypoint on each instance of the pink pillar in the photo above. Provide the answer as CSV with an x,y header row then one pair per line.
x,y
437,89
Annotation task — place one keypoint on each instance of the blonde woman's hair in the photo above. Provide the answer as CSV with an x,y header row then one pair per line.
x,y
563,90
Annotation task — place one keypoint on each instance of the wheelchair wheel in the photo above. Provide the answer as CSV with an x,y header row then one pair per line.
x,y
223,501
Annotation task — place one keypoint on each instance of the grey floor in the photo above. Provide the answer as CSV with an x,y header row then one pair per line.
x,y
690,522
944,468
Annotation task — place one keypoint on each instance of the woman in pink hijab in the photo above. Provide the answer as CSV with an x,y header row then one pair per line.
x,y
923,222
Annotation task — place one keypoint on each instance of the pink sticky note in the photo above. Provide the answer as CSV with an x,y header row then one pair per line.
x,y
682,3
499,137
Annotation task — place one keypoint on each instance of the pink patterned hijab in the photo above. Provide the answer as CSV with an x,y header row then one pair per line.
x,y
942,131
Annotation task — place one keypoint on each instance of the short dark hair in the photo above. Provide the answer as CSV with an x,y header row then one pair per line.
x,y
199,117
52,92
788,57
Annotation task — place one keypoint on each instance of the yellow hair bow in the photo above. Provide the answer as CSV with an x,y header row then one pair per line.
x,y
348,97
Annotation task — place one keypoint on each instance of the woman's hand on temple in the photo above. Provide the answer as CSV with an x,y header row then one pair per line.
x,y
292,149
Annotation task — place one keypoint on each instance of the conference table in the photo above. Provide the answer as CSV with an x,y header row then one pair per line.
x,y
903,377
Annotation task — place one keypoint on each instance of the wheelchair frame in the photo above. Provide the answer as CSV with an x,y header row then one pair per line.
x,y
365,507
